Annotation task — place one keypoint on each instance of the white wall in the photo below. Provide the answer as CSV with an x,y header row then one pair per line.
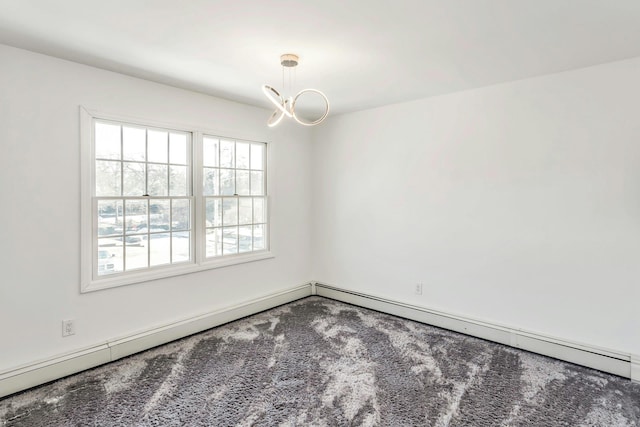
x,y
517,204
40,208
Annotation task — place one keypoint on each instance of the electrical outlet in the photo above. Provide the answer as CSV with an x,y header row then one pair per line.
x,y
418,289
68,327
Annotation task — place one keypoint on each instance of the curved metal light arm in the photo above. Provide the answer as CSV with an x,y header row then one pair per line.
x,y
315,122
277,100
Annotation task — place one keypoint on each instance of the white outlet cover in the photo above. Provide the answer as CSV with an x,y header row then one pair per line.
x,y
68,327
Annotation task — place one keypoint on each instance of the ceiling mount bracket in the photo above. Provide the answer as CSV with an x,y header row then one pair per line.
x,y
289,60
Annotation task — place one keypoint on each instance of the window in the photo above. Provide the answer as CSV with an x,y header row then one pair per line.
x,y
160,201
143,197
234,193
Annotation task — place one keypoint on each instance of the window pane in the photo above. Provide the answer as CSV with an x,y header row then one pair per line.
x,y
229,240
257,156
133,144
135,240
242,155
230,211
258,237
134,179
157,146
178,181
159,215
227,154
181,246
211,184
210,152
227,182
107,141
135,218
258,210
214,242
244,211
214,213
181,214
109,218
242,183
159,249
257,183
158,180
108,178
245,239
178,148
136,257
109,257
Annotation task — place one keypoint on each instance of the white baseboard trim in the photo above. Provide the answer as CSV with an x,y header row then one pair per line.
x,y
635,368
614,362
27,376
31,375
52,369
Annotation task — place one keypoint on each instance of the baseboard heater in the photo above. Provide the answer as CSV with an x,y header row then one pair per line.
x,y
606,360
52,368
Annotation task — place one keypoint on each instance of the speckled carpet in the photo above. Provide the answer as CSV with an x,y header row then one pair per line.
x,y
324,363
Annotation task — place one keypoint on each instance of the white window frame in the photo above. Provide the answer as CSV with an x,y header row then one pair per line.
x,y
88,250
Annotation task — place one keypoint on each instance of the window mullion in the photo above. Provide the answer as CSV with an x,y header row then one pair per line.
x,y
121,161
235,172
250,150
237,224
253,220
168,167
146,162
197,230
148,233
171,230
124,202
124,235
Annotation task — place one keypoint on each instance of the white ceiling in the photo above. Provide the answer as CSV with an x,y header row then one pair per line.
x,y
361,53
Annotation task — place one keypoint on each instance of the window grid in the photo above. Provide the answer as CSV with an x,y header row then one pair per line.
x,y
134,245
230,237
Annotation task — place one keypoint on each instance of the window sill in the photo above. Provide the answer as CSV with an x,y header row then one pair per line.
x,y
171,271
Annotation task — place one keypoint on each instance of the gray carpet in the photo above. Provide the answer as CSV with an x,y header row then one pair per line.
x,y
324,363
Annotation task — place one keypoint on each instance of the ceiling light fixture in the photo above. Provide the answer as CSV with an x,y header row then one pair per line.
x,y
287,106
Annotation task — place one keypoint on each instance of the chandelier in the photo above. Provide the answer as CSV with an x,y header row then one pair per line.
x,y
287,106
